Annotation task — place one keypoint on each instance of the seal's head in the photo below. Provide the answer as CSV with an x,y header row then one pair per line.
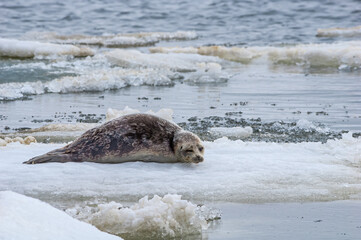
x,y
188,147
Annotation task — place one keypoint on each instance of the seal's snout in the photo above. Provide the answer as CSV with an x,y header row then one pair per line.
x,y
198,159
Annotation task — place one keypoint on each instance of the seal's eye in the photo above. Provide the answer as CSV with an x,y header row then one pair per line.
x,y
200,149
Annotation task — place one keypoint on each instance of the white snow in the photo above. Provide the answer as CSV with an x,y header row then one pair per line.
x,y
25,218
232,171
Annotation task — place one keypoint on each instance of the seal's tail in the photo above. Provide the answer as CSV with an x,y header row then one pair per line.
x,y
54,156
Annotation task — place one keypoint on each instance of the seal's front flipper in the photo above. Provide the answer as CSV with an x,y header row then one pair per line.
x,y
50,157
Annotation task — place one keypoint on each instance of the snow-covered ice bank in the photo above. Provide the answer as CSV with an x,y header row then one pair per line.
x,y
25,218
232,171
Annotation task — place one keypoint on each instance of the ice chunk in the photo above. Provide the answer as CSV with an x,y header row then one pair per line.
x,y
28,49
165,113
345,54
239,132
114,40
339,32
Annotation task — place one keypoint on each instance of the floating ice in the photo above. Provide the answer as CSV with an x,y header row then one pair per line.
x,y
319,55
339,32
114,40
93,81
64,127
178,35
27,218
114,113
28,49
158,217
236,54
93,74
165,113
192,50
309,126
206,73
232,171
202,68
308,55
134,58
3,142
240,132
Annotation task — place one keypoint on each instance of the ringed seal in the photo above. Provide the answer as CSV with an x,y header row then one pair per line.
x,y
134,137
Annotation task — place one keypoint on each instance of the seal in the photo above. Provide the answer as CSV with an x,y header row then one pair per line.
x,y
134,137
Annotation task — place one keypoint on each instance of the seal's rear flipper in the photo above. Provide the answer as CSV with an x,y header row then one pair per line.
x,y
49,157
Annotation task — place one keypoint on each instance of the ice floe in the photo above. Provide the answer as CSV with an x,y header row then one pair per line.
x,y
132,68
174,62
165,113
239,132
309,55
339,32
232,171
29,49
114,40
93,81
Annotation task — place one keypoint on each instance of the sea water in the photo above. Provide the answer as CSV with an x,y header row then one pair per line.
x,y
273,88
